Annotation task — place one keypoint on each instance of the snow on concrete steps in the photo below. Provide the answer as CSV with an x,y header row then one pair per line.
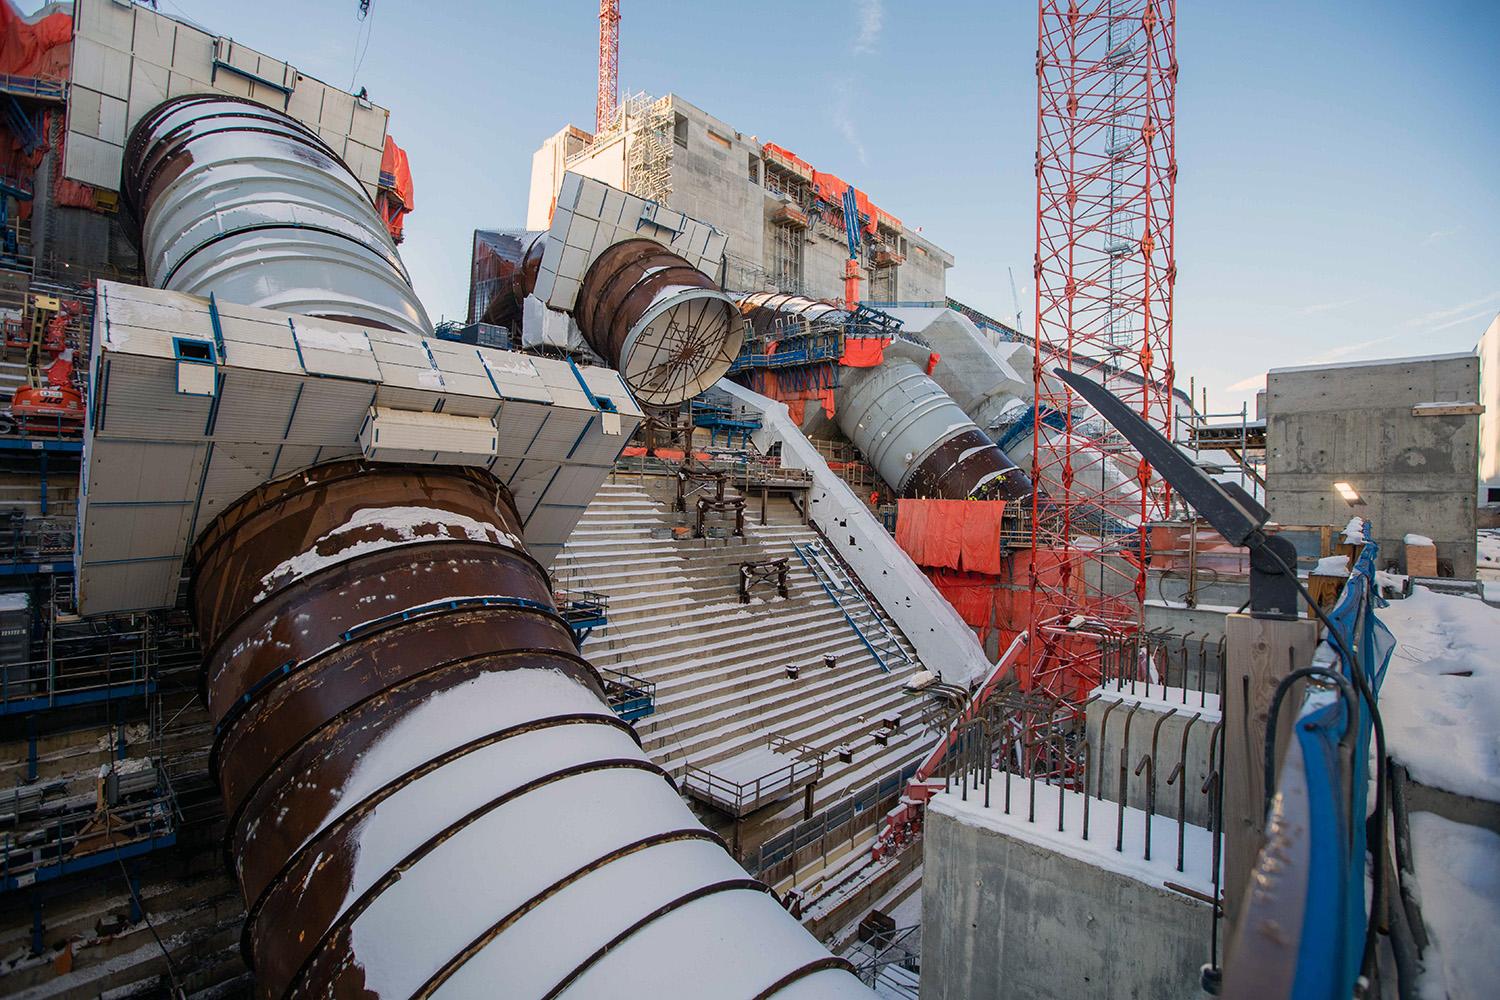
x,y
720,666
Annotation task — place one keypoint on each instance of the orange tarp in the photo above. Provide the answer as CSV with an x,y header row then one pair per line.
x,y
864,352
34,48
396,196
952,534
831,188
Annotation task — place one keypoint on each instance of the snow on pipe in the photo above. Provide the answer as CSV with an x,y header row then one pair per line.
x,y
664,325
239,199
427,792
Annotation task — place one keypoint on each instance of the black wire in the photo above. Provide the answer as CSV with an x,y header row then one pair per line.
x,y
1346,691
1362,684
177,990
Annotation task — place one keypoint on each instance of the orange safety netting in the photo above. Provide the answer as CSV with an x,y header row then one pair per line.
x,y
952,534
39,49
831,188
397,196
864,352
999,603
782,153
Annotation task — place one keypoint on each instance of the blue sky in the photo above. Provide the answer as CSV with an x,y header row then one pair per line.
x,y
1339,187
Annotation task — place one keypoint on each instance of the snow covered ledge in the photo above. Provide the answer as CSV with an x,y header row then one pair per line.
x,y
943,641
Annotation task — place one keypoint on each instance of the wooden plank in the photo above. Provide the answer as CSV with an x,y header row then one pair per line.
x,y
1260,652
1447,409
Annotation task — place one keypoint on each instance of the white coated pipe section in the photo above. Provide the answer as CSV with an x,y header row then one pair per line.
x,y
242,201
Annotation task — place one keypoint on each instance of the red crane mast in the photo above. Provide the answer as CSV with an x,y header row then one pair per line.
x,y
609,64
1104,267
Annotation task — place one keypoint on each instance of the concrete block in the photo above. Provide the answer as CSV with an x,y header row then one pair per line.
x,y
193,53
369,125
100,68
83,111
1004,917
338,112
179,84
106,22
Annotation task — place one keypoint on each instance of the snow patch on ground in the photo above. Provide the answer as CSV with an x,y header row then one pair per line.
x,y
1441,698
1458,871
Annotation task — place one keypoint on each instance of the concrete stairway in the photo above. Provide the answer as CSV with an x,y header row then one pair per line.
x,y
720,666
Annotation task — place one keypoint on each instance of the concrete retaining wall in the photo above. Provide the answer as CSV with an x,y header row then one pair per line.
x,y
1002,917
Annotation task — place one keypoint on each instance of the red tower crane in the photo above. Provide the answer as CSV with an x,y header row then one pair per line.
x,y
1105,167
609,64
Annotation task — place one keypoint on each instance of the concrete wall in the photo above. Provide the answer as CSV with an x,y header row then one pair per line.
x,y
1002,917
711,180
1354,423
1488,352
1106,742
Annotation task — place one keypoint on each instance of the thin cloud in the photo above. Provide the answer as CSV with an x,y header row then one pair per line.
x,y
1323,307
1442,316
843,117
871,19
1474,317
1258,381
1441,234
1334,354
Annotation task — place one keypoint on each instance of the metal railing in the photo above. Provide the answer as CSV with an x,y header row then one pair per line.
x,y
87,838
739,798
36,539
94,660
875,635
782,856
629,697
883,950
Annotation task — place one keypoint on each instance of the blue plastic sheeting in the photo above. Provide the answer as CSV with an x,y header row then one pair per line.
x,y
1334,916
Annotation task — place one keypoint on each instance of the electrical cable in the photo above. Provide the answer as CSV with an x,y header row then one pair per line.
x,y
177,991
1362,684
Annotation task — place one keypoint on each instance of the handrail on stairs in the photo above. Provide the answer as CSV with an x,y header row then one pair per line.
x,y
846,594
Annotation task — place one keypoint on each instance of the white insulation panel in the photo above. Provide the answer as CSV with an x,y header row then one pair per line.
x,y
127,59
283,392
591,216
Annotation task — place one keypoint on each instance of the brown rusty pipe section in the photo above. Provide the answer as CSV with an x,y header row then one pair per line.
x,y
968,466
655,318
395,697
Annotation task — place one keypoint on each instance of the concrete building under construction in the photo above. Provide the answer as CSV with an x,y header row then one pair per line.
x,y
717,609
784,219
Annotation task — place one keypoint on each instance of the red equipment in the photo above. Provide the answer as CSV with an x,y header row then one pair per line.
x,y
1106,166
609,64
55,342
54,408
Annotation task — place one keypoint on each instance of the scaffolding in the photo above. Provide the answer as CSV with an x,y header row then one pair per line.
x,y
1106,170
